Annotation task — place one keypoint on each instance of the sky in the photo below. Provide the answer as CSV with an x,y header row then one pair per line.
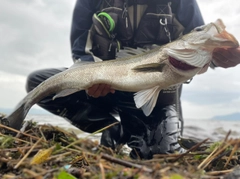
x,y
35,34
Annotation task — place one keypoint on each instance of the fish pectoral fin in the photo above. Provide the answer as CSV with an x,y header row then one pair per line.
x,y
146,99
65,92
152,67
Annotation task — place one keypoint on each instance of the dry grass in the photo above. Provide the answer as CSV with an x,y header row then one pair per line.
x,y
47,152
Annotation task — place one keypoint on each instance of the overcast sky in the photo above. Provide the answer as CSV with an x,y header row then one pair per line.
x,y
35,34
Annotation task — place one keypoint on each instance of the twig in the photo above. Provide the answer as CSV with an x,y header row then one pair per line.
x,y
125,163
232,153
227,136
102,170
219,172
15,139
19,163
40,130
32,173
19,148
81,139
190,150
215,153
100,130
17,131
59,156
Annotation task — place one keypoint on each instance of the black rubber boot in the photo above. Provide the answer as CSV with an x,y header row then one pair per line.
x,y
114,137
146,138
146,135
155,134
157,137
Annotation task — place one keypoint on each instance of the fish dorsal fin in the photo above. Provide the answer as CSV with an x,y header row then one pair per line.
x,y
194,57
65,92
146,99
152,67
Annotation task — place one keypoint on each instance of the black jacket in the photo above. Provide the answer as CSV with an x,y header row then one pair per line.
x,y
187,13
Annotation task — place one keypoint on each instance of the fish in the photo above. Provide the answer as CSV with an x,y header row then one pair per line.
x,y
145,74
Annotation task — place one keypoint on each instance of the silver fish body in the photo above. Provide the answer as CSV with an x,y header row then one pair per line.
x,y
146,74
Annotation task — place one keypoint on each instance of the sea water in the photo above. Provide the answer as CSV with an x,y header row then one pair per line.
x,y
201,129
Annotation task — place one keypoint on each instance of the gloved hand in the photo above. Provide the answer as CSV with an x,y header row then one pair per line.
x,y
98,90
226,57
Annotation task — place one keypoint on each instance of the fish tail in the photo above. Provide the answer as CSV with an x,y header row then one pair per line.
x,y
16,118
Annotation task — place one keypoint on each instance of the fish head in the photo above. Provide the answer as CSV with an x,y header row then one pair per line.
x,y
192,53
211,36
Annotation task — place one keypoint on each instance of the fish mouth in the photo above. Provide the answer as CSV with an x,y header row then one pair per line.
x,y
180,65
223,38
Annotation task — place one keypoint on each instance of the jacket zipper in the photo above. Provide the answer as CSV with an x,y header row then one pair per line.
x,y
125,12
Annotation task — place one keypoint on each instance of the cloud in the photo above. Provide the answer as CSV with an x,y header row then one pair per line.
x,y
213,93
36,34
12,89
228,11
194,110
218,80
